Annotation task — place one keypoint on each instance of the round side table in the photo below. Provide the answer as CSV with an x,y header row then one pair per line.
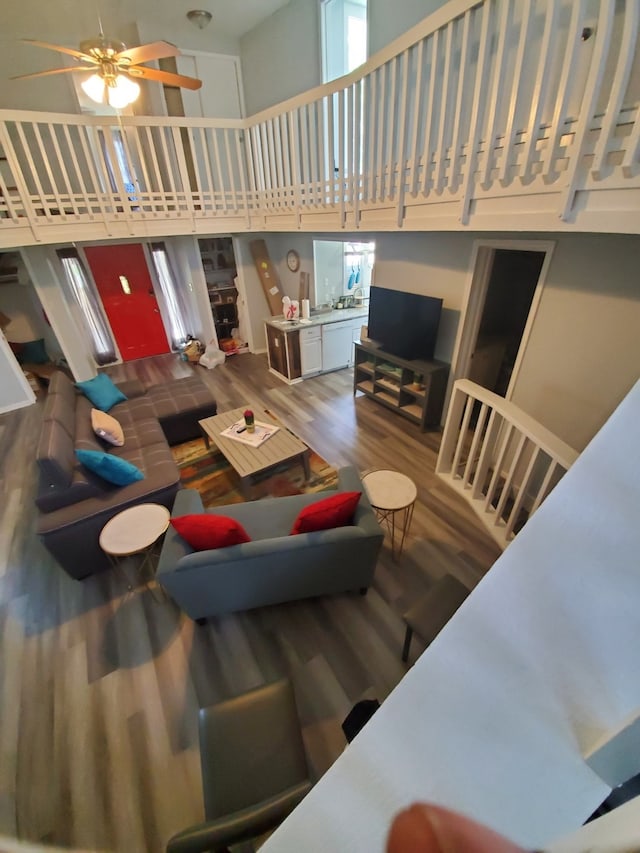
x,y
390,493
134,531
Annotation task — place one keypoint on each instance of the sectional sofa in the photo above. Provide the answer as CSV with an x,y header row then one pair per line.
x,y
75,504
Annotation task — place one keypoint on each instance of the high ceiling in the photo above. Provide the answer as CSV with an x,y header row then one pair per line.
x,y
231,17
68,22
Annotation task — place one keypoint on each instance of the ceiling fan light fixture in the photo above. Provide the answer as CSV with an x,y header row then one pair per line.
x,y
119,90
200,18
122,93
94,87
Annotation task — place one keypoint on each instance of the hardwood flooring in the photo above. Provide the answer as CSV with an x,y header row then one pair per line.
x,y
100,687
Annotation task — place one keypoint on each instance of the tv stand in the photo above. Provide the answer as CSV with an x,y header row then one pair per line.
x,y
414,388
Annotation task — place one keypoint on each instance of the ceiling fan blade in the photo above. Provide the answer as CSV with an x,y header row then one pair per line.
x,y
85,68
147,52
78,55
165,77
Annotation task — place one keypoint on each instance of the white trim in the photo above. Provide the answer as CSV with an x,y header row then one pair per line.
x,y
474,299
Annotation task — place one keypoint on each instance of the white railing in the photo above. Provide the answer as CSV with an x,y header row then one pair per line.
x,y
502,461
482,100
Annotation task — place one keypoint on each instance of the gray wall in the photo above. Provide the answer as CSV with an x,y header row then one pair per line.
x,y
584,352
281,57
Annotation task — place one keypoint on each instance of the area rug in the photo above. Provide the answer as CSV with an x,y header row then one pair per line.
x,y
207,471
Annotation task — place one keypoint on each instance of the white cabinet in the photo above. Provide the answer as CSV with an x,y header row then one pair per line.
x,y
310,350
337,344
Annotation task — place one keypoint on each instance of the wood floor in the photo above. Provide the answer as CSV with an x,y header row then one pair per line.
x,y
99,688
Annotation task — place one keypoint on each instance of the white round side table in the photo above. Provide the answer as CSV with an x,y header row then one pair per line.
x,y
389,493
134,531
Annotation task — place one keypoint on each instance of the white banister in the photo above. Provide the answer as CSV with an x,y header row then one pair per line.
x,y
619,87
502,461
482,101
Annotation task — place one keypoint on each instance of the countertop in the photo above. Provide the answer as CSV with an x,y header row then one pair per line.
x,y
334,316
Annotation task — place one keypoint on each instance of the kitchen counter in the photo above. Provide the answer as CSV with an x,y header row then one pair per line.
x,y
301,348
333,316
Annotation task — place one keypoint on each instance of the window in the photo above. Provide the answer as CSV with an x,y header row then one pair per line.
x,y
84,300
172,298
344,37
342,268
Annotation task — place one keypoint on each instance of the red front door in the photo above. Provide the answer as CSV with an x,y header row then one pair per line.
x,y
121,274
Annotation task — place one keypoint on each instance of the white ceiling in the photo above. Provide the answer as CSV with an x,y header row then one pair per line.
x,y
231,17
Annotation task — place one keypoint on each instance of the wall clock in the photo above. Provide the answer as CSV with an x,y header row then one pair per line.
x,y
293,260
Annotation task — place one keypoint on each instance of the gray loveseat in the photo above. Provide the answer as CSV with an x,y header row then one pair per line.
x,y
273,567
76,504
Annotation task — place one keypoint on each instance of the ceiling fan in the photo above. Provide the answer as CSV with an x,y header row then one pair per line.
x,y
114,65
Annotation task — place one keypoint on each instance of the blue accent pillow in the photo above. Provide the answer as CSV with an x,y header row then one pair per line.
x,y
111,468
102,392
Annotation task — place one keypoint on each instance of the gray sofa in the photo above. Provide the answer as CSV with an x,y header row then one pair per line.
x,y
76,504
273,567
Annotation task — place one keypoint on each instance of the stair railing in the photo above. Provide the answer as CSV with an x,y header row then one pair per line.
x,y
502,461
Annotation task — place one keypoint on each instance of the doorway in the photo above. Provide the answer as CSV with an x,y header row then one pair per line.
x,y
122,277
505,287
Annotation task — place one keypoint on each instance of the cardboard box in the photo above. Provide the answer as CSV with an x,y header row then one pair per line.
x,y
268,274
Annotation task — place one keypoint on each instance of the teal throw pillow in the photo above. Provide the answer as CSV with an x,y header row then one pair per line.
x,y
111,468
33,352
102,392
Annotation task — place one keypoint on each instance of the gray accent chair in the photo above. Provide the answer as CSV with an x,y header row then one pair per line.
x,y
274,567
428,616
254,768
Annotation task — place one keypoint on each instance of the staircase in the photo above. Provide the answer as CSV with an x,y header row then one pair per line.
x,y
490,115
503,462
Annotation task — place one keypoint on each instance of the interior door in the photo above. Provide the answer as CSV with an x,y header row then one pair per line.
x,y
122,277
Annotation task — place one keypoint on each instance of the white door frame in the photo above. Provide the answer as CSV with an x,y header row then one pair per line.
x,y
473,301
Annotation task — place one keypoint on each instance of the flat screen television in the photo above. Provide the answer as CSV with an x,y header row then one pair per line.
x,y
404,324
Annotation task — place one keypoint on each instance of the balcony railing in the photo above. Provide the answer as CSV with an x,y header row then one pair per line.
x,y
503,462
483,110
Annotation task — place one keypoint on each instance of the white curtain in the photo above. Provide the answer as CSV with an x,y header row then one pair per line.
x,y
175,300
81,290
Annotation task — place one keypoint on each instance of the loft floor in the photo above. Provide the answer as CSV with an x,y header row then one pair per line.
x,y
99,689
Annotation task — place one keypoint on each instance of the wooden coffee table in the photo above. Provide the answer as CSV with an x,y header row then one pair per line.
x,y
248,461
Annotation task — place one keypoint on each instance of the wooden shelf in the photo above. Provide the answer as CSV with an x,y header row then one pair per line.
x,y
388,398
392,384
388,385
418,393
414,410
218,263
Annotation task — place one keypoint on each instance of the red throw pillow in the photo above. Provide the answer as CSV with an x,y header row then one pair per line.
x,y
336,511
204,532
